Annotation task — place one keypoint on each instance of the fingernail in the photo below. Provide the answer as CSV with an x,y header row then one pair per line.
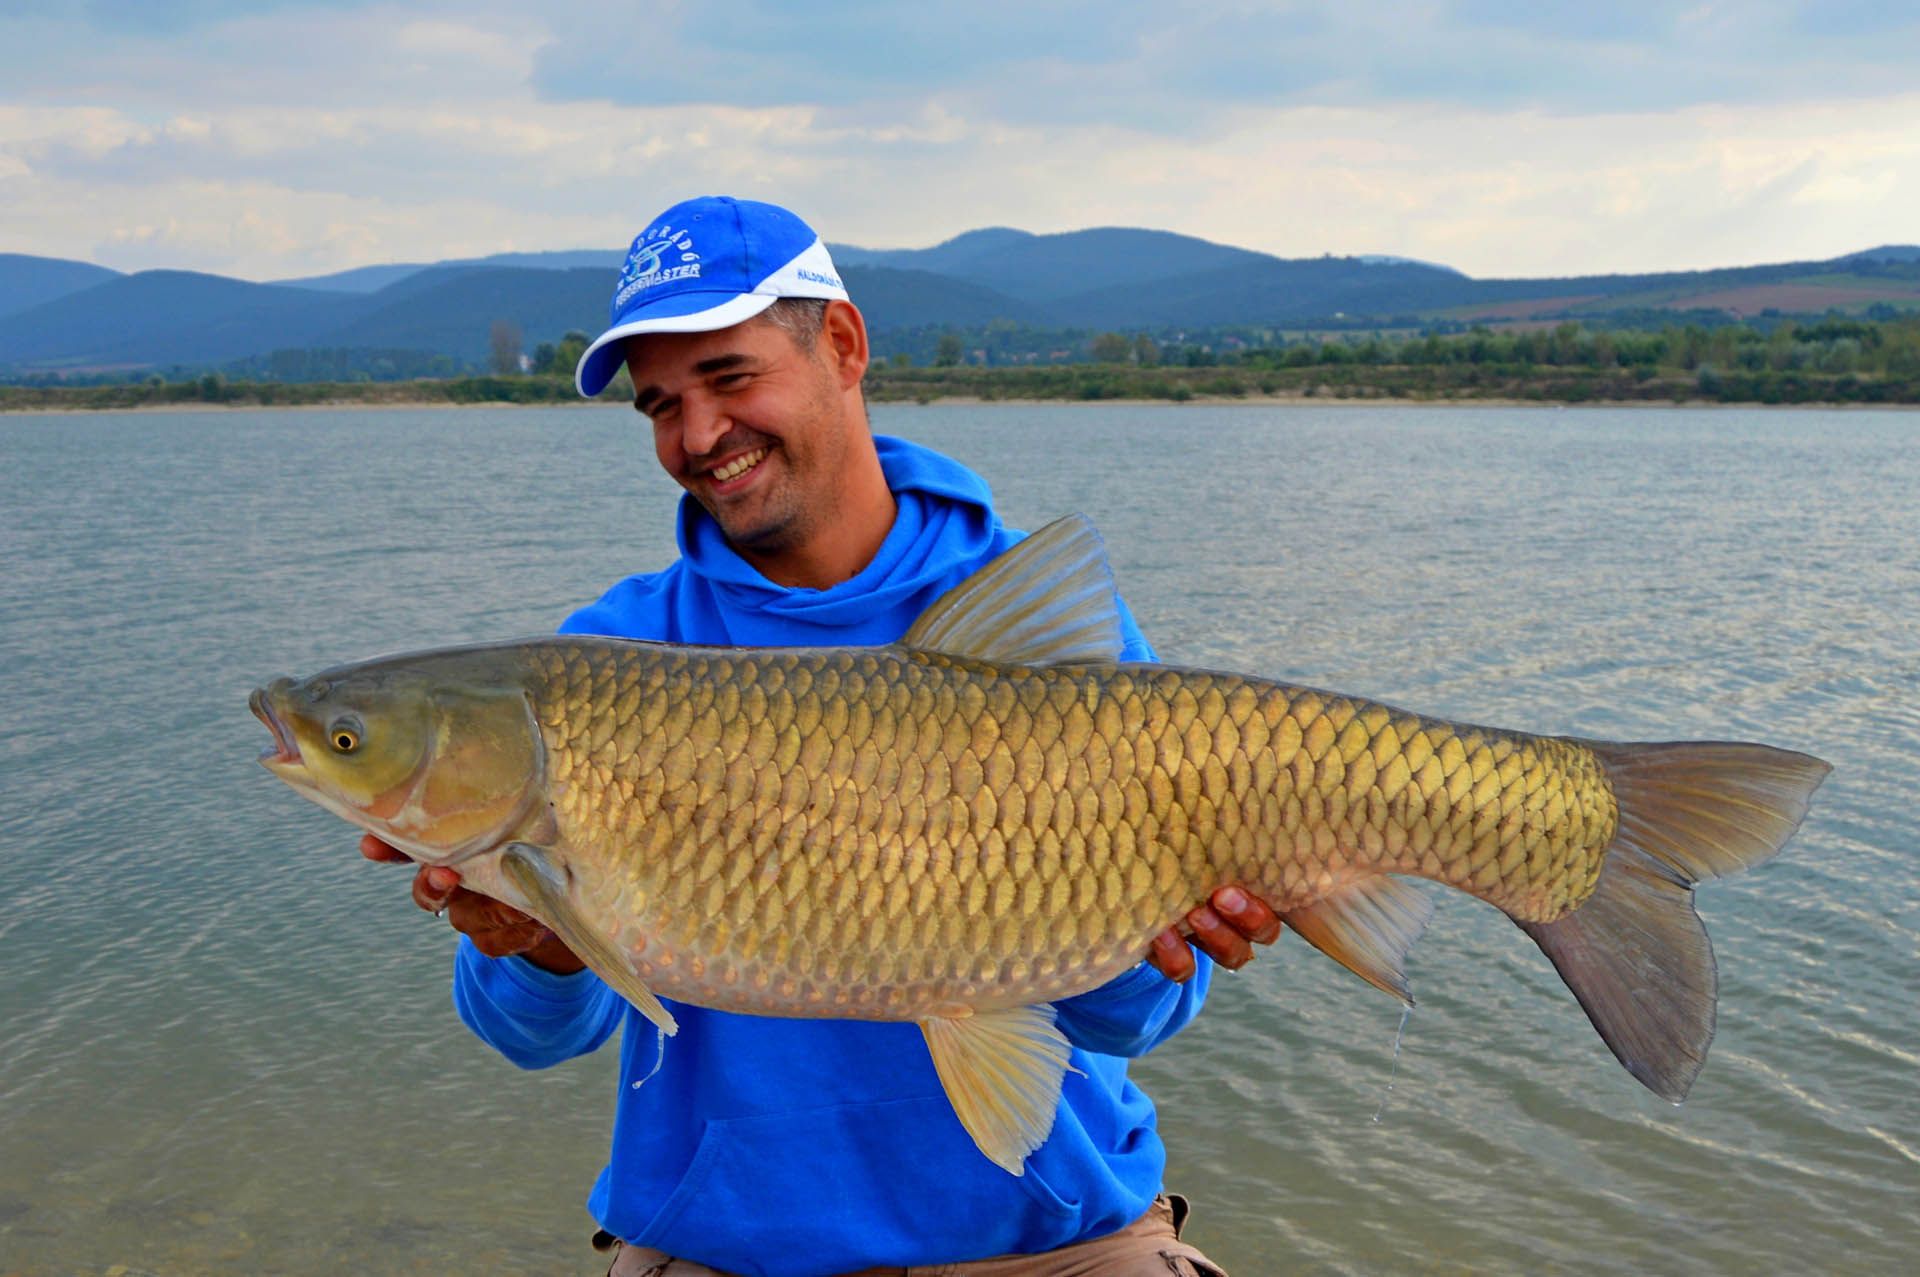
x,y
442,880
1232,899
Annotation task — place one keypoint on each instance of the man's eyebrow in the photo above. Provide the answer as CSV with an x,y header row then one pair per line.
x,y
720,363
643,400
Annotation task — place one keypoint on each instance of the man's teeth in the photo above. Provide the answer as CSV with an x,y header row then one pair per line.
x,y
739,465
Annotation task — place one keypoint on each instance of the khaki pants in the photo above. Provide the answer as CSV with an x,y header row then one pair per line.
x,y
1148,1247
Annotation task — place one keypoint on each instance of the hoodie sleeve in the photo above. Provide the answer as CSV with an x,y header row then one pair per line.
x,y
533,1017
1136,647
1135,1012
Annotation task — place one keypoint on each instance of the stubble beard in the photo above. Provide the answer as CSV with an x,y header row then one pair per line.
x,y
779,526
788,516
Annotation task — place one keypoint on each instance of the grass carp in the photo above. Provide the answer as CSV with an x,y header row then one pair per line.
x,y
992,814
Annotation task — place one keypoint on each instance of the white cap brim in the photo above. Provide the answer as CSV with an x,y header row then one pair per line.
x,y
809,274
601,362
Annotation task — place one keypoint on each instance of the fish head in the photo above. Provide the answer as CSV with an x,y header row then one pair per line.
x,y
443,764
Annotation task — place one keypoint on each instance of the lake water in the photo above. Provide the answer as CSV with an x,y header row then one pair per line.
x,y
227,1045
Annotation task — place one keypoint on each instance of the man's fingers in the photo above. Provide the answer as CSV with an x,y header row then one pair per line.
x,y
373,849
1220,941
471,912
435,886
504,942
496,929
1226,929
1247,914
1171,956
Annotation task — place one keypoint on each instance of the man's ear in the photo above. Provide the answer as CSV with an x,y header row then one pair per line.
x,y
844,333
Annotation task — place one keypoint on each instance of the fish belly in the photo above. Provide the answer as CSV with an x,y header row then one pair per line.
x,y
885,834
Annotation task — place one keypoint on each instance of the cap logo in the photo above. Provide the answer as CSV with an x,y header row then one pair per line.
x,y
659,255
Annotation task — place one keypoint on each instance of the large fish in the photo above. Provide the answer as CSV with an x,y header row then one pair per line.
x,y
992,814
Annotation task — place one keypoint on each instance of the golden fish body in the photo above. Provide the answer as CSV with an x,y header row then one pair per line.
x,y
964,827
876,833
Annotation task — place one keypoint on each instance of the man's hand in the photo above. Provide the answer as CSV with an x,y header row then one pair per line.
x,y
497,930
1226,928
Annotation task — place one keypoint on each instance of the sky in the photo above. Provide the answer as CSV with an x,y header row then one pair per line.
x,y
283,138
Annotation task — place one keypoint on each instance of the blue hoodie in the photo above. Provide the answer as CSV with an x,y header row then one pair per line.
x,y
800,1148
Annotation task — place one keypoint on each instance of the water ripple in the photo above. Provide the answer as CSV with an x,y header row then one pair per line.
x,y
202,975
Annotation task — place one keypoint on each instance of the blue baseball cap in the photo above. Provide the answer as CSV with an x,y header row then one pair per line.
x,y
705,264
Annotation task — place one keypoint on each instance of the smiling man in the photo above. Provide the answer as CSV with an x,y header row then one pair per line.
x,y
753,421
816,1147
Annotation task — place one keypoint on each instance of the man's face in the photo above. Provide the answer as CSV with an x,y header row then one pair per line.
x,y
752,425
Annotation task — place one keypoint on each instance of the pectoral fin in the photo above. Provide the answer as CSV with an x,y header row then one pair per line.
x,y
1367,927
530,869
1002,1071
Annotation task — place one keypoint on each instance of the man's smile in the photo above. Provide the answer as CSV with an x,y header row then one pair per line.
x,y
738,466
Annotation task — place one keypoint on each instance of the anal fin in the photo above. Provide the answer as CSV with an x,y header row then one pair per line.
x,y
530,869
1367,926
1002,1071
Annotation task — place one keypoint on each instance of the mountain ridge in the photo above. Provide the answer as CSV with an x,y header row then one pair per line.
x,y
27,281
59,316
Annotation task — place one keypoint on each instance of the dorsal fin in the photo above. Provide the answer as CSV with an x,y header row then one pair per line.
x,y
1047,601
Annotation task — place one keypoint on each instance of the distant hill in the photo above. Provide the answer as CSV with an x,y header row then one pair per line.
x,y
165,317
371,279
946,258
1040,269
892,299
26,282
1388,259
361,279
452,310
1267,293
212,321
1737,292
62,316
1885,253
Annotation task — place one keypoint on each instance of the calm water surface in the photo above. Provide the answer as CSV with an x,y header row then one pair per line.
x,y
227,1042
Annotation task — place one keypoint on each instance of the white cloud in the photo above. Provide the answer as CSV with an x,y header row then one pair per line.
x,y
312,139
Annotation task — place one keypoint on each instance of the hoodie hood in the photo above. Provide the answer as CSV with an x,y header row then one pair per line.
x,y
945,519
945,528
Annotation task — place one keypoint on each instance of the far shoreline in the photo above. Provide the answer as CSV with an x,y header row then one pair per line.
x,y
1832,361
966,401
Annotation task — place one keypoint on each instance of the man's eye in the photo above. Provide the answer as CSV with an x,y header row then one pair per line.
x,y
731,380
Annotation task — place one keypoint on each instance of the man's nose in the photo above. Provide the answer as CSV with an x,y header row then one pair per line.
x,y
703,424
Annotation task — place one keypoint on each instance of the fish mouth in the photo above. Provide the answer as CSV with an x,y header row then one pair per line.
x,y
284,751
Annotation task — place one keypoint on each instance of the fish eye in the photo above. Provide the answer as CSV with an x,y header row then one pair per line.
x,y
344,735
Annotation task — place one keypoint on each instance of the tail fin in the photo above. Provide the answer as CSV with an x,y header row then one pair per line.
x,y
1635,952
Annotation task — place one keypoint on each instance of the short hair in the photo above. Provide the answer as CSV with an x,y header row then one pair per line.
x,y
801,318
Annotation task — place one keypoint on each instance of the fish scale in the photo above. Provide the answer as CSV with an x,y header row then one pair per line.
x,y
961,828
1098,804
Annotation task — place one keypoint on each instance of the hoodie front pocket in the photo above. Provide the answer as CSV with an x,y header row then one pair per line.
x,y
836,1189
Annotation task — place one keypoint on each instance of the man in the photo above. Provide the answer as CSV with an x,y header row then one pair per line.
x,y
757,1145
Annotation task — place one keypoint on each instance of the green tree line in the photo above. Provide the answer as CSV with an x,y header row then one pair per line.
x,y
1831,360
1834,360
